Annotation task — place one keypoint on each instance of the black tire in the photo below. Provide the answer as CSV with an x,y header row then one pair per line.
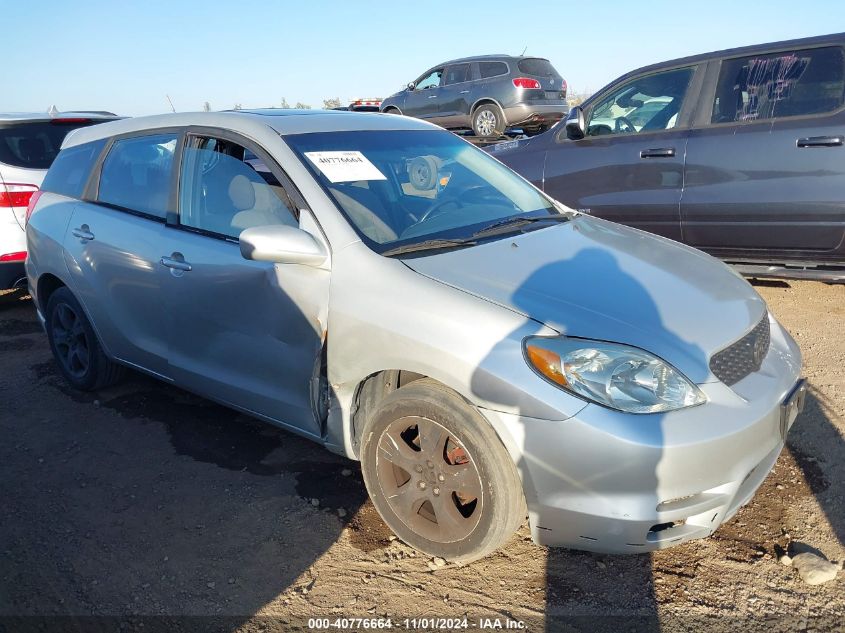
x,y
75,346
391,111
473,524
488,121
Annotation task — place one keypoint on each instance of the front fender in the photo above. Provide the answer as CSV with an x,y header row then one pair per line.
x,y
383,315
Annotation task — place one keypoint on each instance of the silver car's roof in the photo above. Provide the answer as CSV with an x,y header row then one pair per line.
x,y
282,121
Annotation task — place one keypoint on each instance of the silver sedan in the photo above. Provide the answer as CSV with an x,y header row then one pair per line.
x,y
382,287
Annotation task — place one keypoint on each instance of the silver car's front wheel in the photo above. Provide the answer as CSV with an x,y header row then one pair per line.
x,y
487,121
438,474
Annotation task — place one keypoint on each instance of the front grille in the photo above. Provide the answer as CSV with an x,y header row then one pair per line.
x,y
736,361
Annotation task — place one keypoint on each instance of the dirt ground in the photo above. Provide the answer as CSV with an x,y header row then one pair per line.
x,y
148,504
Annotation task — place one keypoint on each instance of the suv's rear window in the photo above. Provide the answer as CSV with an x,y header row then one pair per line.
x,y
34,144
536,66
492,69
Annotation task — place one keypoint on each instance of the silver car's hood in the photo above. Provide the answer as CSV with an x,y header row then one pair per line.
x,y
595,279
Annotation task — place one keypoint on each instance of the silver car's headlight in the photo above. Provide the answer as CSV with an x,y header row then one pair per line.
x,y
613,375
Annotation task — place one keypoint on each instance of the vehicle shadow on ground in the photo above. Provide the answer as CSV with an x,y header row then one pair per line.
x,y
814,435
96,523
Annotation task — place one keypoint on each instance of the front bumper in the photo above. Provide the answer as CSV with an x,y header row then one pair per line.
x,y
612,482
528,113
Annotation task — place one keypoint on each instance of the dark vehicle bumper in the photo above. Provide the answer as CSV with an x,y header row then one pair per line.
x,y
12,274
535,114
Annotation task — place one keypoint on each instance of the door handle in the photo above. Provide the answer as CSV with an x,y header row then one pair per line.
x,y
464,92
820,141
175,264
432,96
658,152
83,233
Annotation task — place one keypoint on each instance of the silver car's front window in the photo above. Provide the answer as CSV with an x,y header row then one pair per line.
x,y
406,186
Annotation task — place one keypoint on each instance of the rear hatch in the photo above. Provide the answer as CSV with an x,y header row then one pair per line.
x,y
27,149
552,87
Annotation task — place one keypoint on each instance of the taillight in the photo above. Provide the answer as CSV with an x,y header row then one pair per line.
x,y
32,202
563,88
13,257
525,82
16,195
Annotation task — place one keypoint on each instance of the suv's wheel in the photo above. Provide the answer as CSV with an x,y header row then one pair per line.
x,y
488,121
75,346
439,475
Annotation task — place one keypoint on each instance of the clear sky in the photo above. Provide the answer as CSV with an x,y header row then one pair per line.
x,y
125,56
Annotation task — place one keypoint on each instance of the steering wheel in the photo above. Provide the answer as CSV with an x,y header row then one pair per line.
x,y
623,122
430,212
471,192
479,192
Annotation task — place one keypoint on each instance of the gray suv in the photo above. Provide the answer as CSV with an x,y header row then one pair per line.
x,y
488,94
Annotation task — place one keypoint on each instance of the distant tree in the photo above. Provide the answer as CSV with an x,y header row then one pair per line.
x,y
284,104
237,106
206,107
302,106
330,104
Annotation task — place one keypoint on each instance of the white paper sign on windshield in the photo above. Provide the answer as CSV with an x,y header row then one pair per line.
x,y
345,166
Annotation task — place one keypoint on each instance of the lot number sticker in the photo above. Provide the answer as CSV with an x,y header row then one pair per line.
x,y
345,166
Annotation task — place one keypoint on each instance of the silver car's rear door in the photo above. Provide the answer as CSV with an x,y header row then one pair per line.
x,y
112,257
112,247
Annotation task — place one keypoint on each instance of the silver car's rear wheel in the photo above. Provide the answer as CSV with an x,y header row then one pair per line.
x,y
75,346
439,475
71,342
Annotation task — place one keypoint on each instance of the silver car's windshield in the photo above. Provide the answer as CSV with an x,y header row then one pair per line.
x,y
403,187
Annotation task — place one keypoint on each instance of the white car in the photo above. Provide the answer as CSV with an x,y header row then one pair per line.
x,y
28,144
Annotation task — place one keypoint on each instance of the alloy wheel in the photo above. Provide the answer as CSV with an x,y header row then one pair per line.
x,y
70,340
485,122
429,479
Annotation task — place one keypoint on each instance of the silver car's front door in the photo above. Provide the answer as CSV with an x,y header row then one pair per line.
x,y
246,333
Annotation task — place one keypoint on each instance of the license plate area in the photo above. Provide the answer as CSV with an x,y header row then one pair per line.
x,y
792,406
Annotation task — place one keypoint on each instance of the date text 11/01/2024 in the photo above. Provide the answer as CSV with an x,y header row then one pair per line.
x,y
413,624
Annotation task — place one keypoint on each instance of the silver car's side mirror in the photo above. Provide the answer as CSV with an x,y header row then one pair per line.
x,y
575,124
411,85
282,245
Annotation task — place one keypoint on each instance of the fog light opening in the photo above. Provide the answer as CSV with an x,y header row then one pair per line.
x,y
660,527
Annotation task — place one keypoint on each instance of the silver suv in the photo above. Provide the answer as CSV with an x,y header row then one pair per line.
x,y
28,144
386,289
487,94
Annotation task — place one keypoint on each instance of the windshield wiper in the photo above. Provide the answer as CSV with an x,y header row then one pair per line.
x,y
516,221
428,245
